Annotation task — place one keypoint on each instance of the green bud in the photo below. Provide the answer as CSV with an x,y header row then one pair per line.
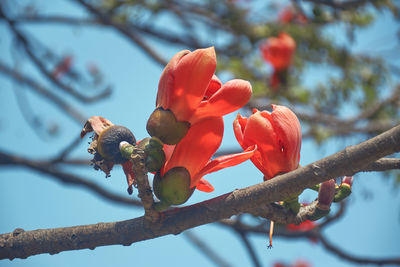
x,y
343,192
163,124
174,187
126,149
155,156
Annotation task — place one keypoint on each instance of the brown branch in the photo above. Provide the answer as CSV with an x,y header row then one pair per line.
x,y
41,90
143,186
46,168
208,252
384,164
346,162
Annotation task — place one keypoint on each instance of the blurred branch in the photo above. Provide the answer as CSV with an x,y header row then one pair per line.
x,y
203,247
134,37
249,248
46,93
349,4
49,169
42,68
349,161
360,260
161,34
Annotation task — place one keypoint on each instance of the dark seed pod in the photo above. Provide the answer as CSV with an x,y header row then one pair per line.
x,y
109,140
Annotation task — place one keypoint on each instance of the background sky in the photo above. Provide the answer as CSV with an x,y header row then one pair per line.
x,y
34,201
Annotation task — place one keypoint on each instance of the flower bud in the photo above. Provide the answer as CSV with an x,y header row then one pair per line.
x,y
348,180
108,142
163,125
174,187
126,149
344,191
326,194
154,153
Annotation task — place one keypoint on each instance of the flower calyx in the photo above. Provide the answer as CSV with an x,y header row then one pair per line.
x,y
163,124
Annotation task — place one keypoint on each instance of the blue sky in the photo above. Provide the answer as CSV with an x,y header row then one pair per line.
x,y
35,201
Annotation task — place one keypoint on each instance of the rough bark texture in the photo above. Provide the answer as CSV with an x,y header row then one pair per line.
x,y
21,244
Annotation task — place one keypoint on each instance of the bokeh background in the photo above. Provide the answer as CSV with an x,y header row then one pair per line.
x,y
37,129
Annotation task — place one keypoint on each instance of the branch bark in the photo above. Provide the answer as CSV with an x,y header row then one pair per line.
x,y
22,244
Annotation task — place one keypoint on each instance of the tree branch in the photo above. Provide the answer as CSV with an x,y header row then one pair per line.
x,y
360,260
208,252
349,161
46,168
39,64
125,31
55,99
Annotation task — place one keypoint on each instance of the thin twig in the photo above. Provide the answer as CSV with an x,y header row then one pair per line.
x,y
39,64
46,93
203,247
68,178
125,31
360,260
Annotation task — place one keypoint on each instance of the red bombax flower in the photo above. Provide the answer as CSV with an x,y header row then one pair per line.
x,y
189,88
289,14
195,150
279,51
277,135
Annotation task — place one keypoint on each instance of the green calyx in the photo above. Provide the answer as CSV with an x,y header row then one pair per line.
x,y
164,125
343,192
155,156
173,188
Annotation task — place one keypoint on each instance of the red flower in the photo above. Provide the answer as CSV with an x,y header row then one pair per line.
x,y
278,51
277,135
195,150
302,227
62,67
189,88
289,14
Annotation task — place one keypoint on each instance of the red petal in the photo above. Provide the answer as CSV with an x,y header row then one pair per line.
x,y
195,150
166,84
239,124
224,162
130,176
232,96
214,86
187,83
205,186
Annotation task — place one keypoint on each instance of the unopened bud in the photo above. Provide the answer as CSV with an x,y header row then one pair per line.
x,y
326,194
163,125
348,180
126,149
155,156
343,192
174,187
